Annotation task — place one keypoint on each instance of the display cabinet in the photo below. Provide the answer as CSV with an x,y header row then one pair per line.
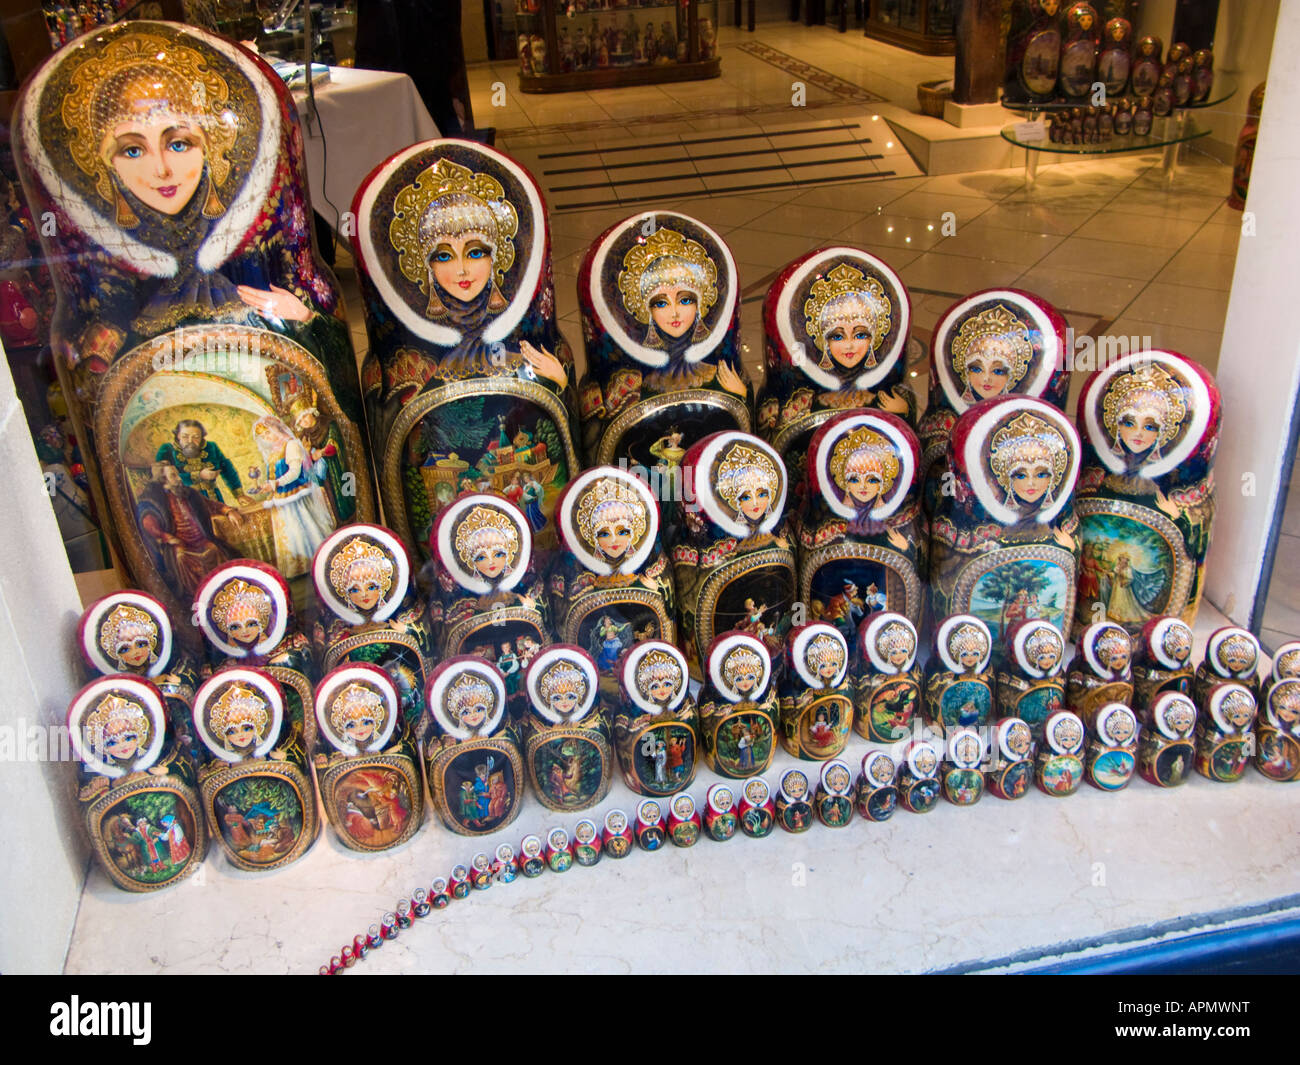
x,y
924,26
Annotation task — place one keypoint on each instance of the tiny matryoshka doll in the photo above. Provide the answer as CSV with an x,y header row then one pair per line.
x,y
1100,672
961,772
1033,51
469,382
649,826
1030,684
1002,543
244,611
1148,61
1286,666
472,759
1115,61
817,695
683,821
836,325
1058,765
877,796
1111,753
738,706
889,681
258,792
862,538
137,784
656,726
586,843
720,816
1011,759
616,837
130,632
1202,74
1225,732
794,810
1162,662
363,579
566,747
1079,50
833,802
734,563
488,598
958,681
1231,654
1150,422
757,809
1277,752
367,765
918,777
1166,750
614,587
996,342
660,305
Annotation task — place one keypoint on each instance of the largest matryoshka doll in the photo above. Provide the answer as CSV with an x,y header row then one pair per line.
x,y
469,383
199,338
660,304
1002,544
1150,424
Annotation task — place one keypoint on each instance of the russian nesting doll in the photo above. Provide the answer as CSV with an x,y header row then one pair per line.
x,y
1058,763
1111,753
757,808
566,741
833,802
1143,116
877,795
1011,759
1231,654
199,337
660,305
363,579
472,758
656,726
368,764
1277,752
1030,684
997,342
489,598
683,821
616,837
816,693
889,680
244,611
258,792
794,810
137,784
586,843
961,773
734,564
862,538
738,706
918,777
1002,544
1162,662
1100,672
1245,158
958,681
468,382
1225,732
836,324
1147,65
1079,50
1033,51
720,817
130,632
1123,118
1150,422
1167,749
1286,664
613,586
1202,74
1115,61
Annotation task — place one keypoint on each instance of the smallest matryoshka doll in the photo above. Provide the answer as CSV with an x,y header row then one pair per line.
x,y
472,759
1225,732
958,681
613,586
877,797
1100,672
757,809
656,726
738,706
961,772
794,810
1231,654
833,802
918,777
245,612
889,680
130,632
1162,662
1058,765
1111,753
1166,750
258,791
363,579
616,838
367,765
488,599
566,745
720,817
1030,681
1277,752
1011,759
136,786
1286,665
816,695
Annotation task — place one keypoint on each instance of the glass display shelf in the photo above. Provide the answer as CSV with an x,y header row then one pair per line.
x,y
1223,90
1167,133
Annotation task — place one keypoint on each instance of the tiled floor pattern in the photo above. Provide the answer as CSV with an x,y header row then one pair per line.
x,y
807,73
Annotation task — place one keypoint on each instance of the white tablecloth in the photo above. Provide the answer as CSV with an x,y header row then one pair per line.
x,y
365,116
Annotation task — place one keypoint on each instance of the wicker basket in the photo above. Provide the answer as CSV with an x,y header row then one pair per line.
x,y
932,94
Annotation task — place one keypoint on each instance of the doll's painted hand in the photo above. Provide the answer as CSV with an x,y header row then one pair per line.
x,y
892,402
897,539
730,380
277,303
544,363
1166,505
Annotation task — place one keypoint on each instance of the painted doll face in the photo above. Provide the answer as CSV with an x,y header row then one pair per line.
x,y
673,310
755,501
745,680
240,735
1139,430
491,559
360,728
1238,659
662,690
122,745
473,715
1046,659
1287,708
828,668
1239,711
986,376
613,538
1019,739
1031,480
863,482
159,159
564,703
133,649
849,342
462,265
969,657
898,657
364,589
1116,658
243,625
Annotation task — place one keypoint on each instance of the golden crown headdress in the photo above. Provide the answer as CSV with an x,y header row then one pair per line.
x,y
124,619
484,525
562,678
361,552
242,595
741,659
1176,638
746,468
1067,732
354,701
882,770
895,637
1112,639
1042,641
1013,347
1239,700
113,716
1119,727
1024,439
468,691
968,637
865,444
657,665
823,649
844,295
303,403
666,257
1234,646
1149,389
606,500
238,705
966,749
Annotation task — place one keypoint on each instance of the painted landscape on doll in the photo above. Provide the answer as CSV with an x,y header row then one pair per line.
x,y
149,836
